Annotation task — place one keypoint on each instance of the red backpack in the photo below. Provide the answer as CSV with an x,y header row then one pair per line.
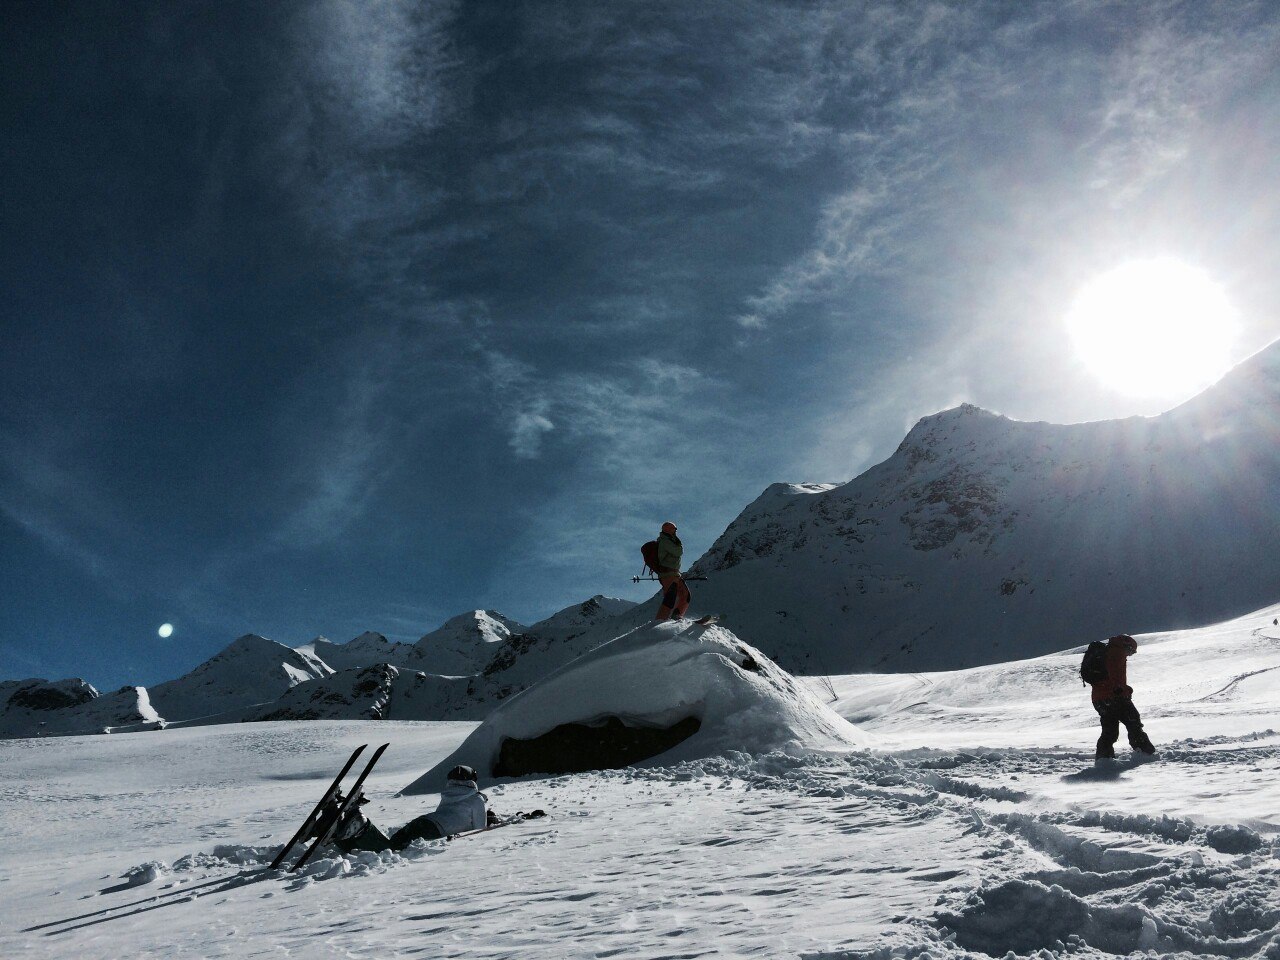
x,y
650,553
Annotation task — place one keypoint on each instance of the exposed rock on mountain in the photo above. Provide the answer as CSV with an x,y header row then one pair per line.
x,y
394,692
983,538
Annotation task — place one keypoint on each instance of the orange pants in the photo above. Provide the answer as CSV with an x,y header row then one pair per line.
x,y
675,596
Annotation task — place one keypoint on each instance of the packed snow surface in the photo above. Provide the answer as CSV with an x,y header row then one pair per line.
x,y
982,828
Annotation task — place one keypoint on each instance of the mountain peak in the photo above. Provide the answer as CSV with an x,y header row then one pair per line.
x,y
949,420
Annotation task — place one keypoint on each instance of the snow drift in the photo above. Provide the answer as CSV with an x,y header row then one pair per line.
x,y
667,691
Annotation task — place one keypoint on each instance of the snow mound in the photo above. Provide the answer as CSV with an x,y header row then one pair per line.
x,y
251,670
663,693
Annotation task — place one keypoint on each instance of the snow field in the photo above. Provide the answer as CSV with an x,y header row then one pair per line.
x,y
925,853
985,830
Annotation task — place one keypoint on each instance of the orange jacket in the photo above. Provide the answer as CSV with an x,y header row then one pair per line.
x,y
1117,682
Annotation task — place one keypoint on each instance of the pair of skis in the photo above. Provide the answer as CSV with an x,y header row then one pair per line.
x,y
325,820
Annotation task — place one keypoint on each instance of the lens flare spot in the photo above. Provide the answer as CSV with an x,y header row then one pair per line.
x,y
1154,328
166,630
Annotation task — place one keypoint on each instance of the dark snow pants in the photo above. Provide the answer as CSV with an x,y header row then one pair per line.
x,y
419,828
1114,712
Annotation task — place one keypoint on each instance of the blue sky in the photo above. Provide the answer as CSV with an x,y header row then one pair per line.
x,y
324,317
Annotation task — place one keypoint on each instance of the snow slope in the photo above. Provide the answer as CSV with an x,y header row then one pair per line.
x,y
250,670
1224,678
983,538
659,677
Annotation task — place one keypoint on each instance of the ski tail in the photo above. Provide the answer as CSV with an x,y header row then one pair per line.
x,y
351,802
520,817
708,620
314,816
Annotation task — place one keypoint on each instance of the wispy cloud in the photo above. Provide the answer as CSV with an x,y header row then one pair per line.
x,y
60,508
528,430
1161,84
361,89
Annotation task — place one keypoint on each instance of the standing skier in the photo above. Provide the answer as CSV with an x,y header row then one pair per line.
x,y
675,592
1113,699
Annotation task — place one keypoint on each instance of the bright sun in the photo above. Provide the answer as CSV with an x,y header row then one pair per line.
x,y
1154,328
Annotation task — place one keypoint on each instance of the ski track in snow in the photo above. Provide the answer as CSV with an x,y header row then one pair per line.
x,y
149,847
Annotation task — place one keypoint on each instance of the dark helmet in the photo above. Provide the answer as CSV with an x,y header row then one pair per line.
x,y
463,772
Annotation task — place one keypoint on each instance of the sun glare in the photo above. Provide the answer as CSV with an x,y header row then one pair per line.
x,y
1154,328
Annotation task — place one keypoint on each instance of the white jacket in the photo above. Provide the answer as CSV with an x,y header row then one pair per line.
x,y
462,807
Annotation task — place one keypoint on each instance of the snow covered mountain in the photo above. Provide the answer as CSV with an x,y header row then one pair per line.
x,y
551,643
463,645
377,692
985,539
366,649
393,690
35,708
251,670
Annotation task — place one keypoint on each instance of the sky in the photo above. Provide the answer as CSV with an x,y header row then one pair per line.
x,y
328,317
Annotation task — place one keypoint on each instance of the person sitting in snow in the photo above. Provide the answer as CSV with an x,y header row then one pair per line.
x,y
675,592
1113,699
462,807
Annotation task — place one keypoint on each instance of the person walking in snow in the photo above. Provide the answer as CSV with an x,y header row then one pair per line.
x,y
1113,699
462,807
675,592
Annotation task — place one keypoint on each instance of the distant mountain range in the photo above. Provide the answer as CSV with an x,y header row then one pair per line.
x,y
982,539
459,671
